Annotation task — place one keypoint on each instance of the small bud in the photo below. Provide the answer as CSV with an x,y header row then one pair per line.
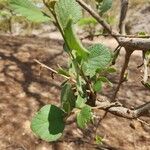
x,y
50,3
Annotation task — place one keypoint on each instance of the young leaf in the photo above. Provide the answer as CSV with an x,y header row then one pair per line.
x,y
111,70
98,139
99,58
84,116
28,10
80,102
67,98
105,80
48,123
68,13
63,72
66,10
73,41
97,86
87,21
105,6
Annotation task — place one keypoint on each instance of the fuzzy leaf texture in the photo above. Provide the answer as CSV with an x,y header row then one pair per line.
x,y
66,10
99,58
67,98
84,117
105,5
27,9
48,123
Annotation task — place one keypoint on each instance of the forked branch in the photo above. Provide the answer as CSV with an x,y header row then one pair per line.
x,y
124,41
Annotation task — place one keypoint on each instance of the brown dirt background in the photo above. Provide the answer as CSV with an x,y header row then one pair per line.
x,y
25,88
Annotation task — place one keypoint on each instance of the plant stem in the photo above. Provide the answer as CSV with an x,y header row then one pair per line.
x,y
54,71
125,65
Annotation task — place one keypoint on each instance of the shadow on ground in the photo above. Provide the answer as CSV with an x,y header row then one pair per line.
x,y
25,87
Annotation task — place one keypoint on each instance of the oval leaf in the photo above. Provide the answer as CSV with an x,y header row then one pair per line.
x,y
66,10
48,123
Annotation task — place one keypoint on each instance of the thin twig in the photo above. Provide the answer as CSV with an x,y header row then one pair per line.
x,y
53,71
135,43
97,17
143,122
117,35
125,65
45,66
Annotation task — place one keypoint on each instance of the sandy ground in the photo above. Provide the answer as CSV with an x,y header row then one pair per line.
x,y
25,87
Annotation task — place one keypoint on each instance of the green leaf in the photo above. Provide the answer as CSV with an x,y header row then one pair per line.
x,y
67,98
105,80
28,10
68,13
63,72
100,57
105,6
87,21
142,33
72,70
66,10
84,117
111,70
80,102
73,41
48,123
98,139
147,84
97,86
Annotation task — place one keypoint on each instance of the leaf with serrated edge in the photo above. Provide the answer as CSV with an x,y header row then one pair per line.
x,y
84,117
66,10
48,123
99,58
